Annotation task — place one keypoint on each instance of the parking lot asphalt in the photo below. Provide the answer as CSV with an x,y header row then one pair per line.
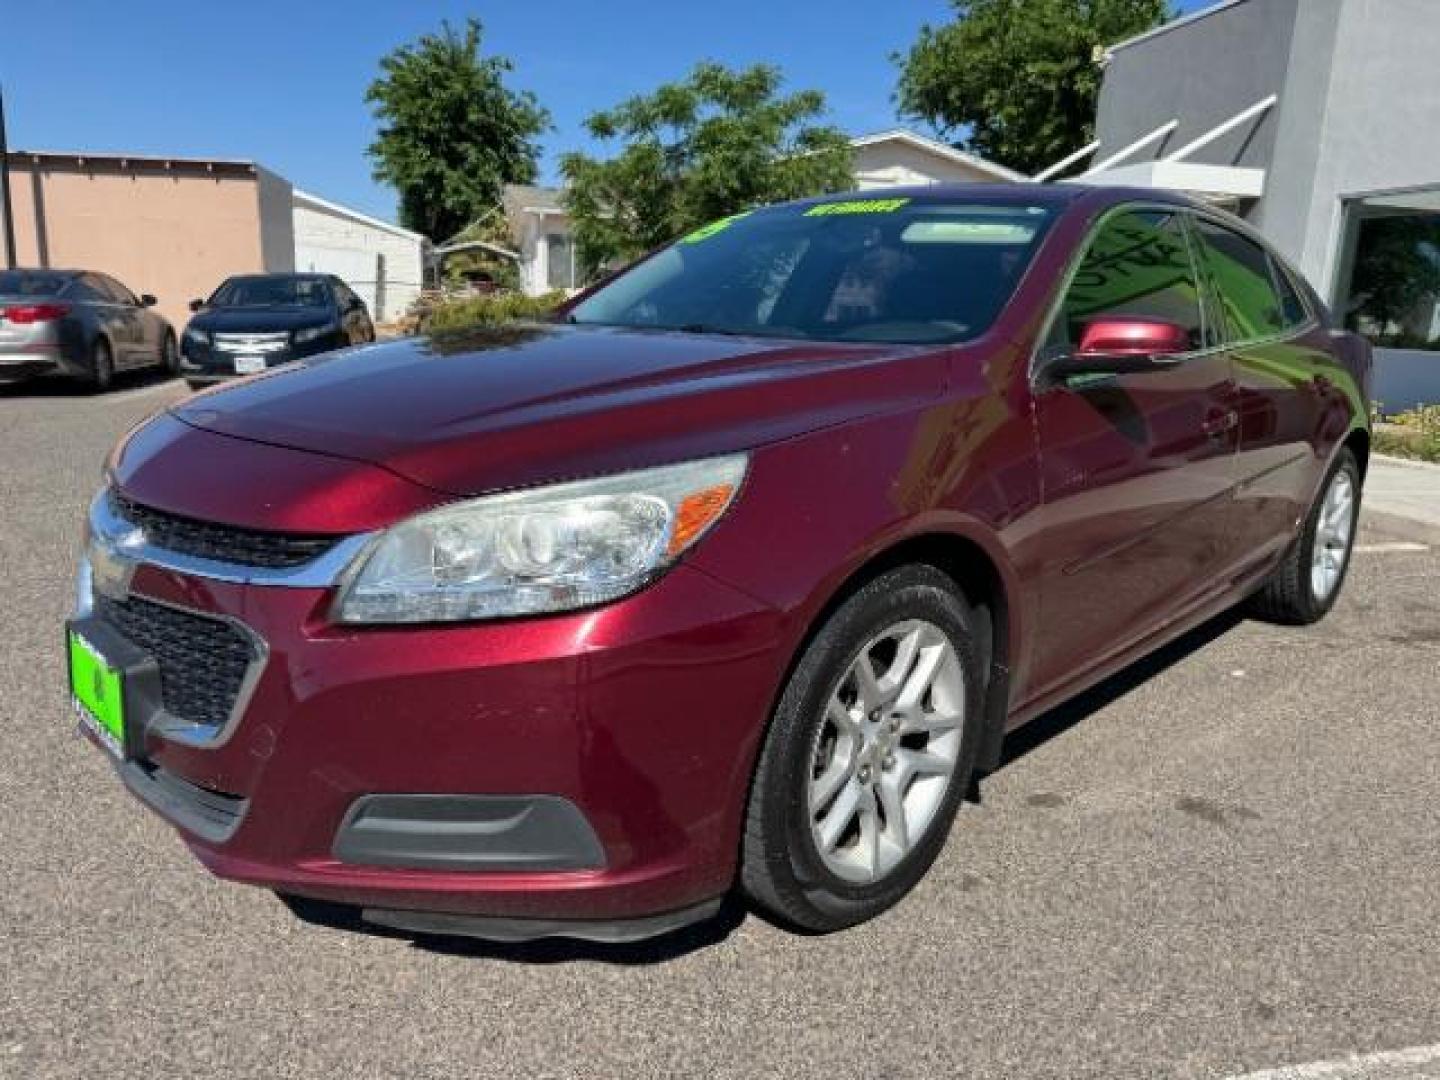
x,y
1224,861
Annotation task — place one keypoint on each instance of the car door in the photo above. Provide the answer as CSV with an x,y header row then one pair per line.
x,y
1137,468
1284,388
110,317
129,336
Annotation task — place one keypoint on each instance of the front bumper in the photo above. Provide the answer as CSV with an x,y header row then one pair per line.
x,y
584,768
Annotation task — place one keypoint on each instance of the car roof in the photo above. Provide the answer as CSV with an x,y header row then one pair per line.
x,y
1056,196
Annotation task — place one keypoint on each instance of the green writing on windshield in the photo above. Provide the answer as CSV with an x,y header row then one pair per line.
x,y
856,206
707,231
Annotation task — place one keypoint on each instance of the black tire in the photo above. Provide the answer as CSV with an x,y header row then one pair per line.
x,y
170,354
782,869
1288,596
102,366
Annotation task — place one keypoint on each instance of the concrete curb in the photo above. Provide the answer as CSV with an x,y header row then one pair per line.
x,y
1399,527
1407,463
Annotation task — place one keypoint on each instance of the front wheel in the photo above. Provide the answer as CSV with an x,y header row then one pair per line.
x,y
869,754
1306,585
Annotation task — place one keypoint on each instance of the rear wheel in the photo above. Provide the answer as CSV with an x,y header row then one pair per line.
x,y
1306,585
102,366
170,354
869,754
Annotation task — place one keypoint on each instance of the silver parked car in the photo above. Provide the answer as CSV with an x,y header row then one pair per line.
x,y
78,323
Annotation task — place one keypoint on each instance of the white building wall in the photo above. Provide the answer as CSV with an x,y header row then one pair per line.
x,y
892,164
382,263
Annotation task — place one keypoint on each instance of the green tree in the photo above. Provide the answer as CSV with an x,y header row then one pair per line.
x,y
1016,81
1397,268
452,134
716,143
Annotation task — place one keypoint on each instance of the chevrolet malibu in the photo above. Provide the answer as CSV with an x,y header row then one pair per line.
x,y
729,578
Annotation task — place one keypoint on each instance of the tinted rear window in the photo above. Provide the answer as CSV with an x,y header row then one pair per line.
x,y
31,283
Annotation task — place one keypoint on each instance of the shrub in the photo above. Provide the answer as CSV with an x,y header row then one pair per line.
x,y
1413,434
453,316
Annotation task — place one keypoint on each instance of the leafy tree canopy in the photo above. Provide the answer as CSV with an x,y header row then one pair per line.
x,y
452,134
1016,81
719,142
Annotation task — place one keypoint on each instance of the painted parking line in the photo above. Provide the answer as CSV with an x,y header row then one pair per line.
x,y
1391,548
1417,1063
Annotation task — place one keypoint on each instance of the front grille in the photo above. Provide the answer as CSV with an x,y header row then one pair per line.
x,y
202,661
252,344
223,543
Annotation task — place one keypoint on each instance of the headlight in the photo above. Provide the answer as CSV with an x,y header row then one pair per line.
x,y
196,337
547,549
312,333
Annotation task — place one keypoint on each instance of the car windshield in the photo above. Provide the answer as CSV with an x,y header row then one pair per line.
x,y
270,292
865,269
30,283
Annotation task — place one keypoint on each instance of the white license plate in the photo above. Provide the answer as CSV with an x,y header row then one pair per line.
x,y
249,365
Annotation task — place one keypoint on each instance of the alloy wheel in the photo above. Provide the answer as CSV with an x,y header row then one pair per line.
x,y
886,751
1333,534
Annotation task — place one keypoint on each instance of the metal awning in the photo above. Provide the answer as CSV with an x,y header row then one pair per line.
x,y
1217,183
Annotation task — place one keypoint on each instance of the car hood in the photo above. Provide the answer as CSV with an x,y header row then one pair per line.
x,y
259,320
525,403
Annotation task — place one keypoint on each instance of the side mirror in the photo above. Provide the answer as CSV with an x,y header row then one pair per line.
x,y
196,305
1125,346
147,300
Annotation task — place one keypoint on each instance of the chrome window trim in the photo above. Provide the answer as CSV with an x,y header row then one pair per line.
x,y
1036,366
129,542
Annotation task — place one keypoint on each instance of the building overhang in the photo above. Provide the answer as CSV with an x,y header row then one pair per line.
x,y
1214,182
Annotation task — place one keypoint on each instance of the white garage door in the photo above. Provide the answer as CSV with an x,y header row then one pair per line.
x,y
363,271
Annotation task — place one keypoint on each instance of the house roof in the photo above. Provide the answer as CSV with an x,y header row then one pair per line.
x,y
129,162
522,197
355,215
939,149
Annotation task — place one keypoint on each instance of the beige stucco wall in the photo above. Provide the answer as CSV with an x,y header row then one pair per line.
x,y
175,233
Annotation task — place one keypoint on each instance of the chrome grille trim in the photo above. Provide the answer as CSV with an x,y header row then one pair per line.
x,y
252,344
130,544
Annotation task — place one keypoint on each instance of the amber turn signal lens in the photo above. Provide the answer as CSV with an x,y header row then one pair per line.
x,y
696,513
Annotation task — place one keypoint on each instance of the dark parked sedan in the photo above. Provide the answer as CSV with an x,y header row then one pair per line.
x,y
78,323
258,321
732,577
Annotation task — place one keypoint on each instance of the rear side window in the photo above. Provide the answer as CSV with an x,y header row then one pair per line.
x,y
1138,265
1292,307
1245,280
30,283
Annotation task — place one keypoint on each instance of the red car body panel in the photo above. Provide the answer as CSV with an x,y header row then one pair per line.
x,y
1110,519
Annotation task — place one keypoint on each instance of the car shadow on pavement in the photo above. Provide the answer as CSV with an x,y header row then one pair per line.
x,y
1063,717
555,950
47,386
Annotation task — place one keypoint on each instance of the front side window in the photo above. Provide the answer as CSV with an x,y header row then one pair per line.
x,y
868,269
1138,265
1244,279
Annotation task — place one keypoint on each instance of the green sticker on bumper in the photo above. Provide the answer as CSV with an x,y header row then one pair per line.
x,y
98,689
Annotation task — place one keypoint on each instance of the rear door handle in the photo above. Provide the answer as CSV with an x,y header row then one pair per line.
x,y
1220,422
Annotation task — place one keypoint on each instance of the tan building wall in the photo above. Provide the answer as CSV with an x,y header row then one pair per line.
x,y
174,229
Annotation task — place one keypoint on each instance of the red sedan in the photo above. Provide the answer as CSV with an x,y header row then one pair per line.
x,y
729,578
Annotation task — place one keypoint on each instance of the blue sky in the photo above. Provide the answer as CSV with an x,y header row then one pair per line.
x,y
284,83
